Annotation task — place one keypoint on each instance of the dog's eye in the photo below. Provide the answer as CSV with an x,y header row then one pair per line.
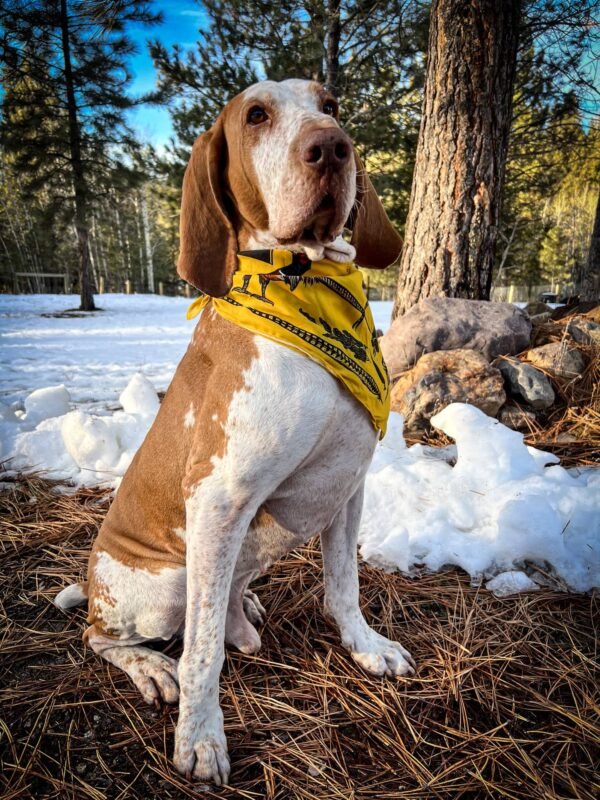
x,y
330,107
256,115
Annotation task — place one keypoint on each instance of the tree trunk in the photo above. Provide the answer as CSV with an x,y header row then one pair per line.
x,y
461,153
590,284
334,30
147,242
79,182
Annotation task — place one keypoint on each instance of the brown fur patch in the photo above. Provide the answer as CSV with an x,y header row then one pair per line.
x,y
139,529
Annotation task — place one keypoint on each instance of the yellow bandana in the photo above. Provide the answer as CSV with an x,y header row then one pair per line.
x,y
318,308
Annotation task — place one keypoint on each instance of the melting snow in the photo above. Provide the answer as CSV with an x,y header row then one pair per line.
x,y
497,508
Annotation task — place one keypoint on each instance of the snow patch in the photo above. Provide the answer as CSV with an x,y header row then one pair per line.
x,y
511,582
47,403
82,448
496,509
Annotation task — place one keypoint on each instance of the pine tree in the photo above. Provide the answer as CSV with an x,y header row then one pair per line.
x,y
65,78
590,284
553,150
457,192
462,149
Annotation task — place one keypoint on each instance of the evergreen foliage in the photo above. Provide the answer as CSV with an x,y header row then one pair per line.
x,y
373,52
63,130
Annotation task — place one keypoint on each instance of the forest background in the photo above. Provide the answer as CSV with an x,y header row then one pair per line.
x,y
77,160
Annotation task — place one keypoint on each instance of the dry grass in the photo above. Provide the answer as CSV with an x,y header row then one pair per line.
x,y
505,703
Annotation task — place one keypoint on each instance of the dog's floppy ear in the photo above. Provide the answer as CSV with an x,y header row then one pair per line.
x,y
208,245
376,241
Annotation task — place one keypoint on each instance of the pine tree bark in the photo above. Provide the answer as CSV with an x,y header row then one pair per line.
x,y
147,243
79,181
590,284
334,31
461,153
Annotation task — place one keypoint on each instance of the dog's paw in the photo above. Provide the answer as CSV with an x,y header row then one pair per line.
x,y
380,656
253,608
155,675
239,630
201,754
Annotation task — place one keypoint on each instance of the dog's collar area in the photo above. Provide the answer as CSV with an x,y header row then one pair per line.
x,y
281,260
257,262
318,308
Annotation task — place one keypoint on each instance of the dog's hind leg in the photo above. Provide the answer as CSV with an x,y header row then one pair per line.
x,y
244,611
265,543
130,607
154,673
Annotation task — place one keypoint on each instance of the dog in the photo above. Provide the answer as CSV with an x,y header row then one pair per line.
x,y
256,448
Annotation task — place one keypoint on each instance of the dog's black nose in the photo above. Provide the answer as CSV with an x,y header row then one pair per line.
x,y
327,148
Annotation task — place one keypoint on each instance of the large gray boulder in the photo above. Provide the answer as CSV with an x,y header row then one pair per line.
x,y
446,323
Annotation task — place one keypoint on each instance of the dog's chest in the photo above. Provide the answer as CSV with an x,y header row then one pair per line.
x,y
307,500
313,438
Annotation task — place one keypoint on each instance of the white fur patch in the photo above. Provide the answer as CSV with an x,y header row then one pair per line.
x,y
140,603
190,417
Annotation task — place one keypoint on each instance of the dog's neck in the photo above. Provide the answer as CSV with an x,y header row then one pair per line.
x,y
339,250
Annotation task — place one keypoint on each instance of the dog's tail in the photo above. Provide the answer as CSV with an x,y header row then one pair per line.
x,y
74,595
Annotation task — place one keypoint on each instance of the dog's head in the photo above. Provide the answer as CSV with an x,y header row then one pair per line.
x,y
276,170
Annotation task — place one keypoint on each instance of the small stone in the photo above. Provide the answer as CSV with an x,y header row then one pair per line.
x,y
566,438
314,771
539,319
517,418
526,383
584,330
441,378
536,307
558,359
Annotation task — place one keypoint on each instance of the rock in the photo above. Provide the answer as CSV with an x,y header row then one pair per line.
x,y
558,359
536,308
445,323
566,438
584,330
540,319
515,417
526,383
441,378
593,314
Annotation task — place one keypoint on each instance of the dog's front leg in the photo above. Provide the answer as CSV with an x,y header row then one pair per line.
x,y
215,529
370,649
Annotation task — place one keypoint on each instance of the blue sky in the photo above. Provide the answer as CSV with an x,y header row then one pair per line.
x,y
182,18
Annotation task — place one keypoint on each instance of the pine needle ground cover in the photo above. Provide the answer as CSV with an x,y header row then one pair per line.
x,y
504,704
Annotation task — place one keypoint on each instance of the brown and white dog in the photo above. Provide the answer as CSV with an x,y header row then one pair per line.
x,y
256,448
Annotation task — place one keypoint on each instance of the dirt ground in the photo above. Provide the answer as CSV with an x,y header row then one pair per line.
x,y
504,705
